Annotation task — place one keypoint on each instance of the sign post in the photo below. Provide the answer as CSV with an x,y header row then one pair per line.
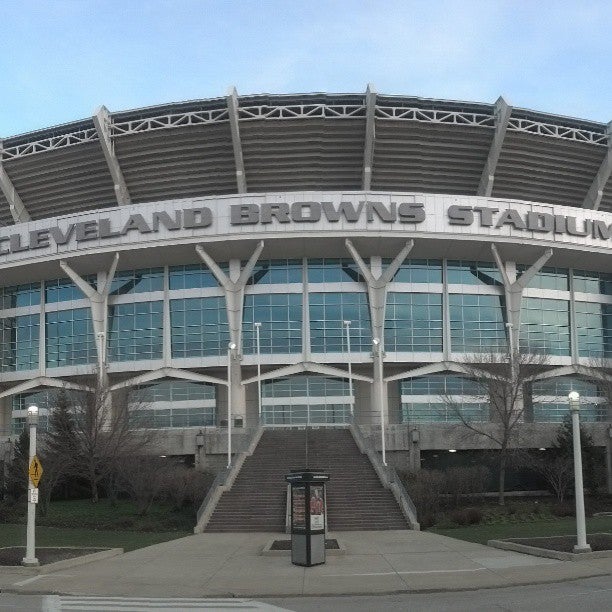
x,y
34,474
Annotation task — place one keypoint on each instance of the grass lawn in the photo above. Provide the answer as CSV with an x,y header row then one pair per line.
x,y
99,525
537,528
104,516
15,535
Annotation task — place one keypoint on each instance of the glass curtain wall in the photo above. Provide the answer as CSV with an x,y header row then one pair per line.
x,y
442,398
174,403
305,400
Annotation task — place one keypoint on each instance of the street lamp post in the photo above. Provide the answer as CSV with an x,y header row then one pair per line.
x,y
30,558
378,365
257,327
230,353
574,404
347,325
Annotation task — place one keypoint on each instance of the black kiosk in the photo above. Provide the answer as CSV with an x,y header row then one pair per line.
x,y
307,516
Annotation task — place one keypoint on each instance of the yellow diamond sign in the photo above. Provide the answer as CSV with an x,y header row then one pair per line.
x,y
35,470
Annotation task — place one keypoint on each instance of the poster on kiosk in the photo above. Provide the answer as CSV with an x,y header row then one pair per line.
x,y
308,521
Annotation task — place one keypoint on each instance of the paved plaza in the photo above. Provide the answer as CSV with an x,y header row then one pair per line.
x,y
232,565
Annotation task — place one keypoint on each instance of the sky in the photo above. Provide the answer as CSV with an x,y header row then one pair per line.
x,y
62,59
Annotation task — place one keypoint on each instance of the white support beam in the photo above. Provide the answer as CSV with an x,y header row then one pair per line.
x,y
306,366
502,117
370,136
102,121
595,193
98,302
17,207
43,381
432,368
592,373
513,293
167,373
232,107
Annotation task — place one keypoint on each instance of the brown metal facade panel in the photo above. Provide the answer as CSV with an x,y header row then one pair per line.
x,y
63,181
432,158
303,154
543,169
178,162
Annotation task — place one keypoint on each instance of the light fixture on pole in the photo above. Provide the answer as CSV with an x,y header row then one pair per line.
x,y
574,405
230,353
378,365
258,347
101,353
347,325
34,473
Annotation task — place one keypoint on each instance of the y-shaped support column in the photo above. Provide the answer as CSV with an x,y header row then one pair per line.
x,y
234,303
98,302
377,297
513,291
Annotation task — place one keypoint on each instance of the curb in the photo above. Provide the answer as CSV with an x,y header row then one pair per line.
x,y
547,552
72,562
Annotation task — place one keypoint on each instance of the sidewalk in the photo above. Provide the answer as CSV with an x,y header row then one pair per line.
x,y
222,565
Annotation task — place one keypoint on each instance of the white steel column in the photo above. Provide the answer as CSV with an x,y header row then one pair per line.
x,y
513,291
232,108
370,137
98,302
596,190
233,288
102,121
502,117
377,297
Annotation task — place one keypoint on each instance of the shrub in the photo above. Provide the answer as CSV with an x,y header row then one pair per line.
x,y
563,510
466,481
426,488
466,516
185,486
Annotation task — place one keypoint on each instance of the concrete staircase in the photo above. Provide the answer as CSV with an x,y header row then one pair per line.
x,y
356,499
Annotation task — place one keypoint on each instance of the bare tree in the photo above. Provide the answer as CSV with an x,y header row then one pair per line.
x,y
556,468
106,431
499,380
143,479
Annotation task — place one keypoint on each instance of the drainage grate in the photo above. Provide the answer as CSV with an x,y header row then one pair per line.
x,y
286,545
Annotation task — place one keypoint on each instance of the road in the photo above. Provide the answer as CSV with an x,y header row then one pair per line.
x,y
592,594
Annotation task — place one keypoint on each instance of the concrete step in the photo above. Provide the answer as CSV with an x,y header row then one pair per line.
x,y
355,497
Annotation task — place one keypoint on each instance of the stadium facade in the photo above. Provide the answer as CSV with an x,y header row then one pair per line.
x,y
297,229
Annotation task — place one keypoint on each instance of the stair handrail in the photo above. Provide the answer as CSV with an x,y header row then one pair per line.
x,y
387,475
288,510
223,482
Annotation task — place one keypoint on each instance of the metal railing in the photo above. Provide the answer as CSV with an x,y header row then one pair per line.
x,y
387,475
224,481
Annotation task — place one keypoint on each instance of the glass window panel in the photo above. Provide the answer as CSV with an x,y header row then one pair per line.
x,y
69,338
477,323
473,273
402,330
328,311
545,326
204,329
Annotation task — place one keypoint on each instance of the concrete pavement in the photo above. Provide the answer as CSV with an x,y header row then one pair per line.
x,y
222,565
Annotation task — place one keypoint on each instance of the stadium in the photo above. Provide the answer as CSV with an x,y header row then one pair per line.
x,y
312,259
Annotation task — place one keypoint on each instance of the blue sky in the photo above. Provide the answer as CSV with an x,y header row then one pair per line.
x,y
61,59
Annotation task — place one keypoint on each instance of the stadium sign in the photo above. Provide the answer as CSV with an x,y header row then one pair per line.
x,y
411,213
